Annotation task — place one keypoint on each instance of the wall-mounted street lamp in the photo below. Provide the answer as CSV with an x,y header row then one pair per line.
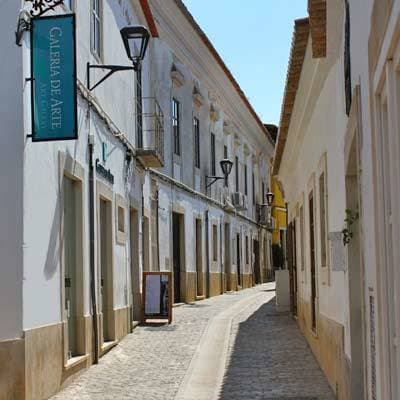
x,y
226,166
270,198
136,39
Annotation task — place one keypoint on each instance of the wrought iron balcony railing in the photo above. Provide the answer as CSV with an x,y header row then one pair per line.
x,y
150,133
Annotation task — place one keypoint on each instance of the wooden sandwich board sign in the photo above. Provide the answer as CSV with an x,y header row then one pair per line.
x,y
157,296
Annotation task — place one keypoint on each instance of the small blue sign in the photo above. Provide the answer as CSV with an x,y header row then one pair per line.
x,y
53,65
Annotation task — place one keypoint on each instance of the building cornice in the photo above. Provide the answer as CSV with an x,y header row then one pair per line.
x,y
195,50
198,195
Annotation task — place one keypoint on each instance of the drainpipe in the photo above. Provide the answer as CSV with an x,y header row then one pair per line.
x,y
207,258
221,258
158,229
143,243
91,245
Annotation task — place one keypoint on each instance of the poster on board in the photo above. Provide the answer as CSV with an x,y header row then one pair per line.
x,y
157,296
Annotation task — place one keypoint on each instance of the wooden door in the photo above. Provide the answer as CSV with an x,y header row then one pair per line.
x,y
239,278
257,272
312,265
176,256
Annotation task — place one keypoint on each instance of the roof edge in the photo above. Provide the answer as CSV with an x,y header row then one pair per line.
x,y
149,17
295,66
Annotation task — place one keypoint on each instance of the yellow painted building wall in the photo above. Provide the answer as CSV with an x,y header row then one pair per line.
x,y
278,211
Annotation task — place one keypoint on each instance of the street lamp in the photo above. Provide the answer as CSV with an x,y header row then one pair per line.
x,y
226,166
270,198
136,39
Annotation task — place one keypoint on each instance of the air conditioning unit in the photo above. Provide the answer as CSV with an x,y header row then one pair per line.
x,y
237,200
263,214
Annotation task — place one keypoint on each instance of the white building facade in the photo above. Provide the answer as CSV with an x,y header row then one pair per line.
x,y
81,220
338,162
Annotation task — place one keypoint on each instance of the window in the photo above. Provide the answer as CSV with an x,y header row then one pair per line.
x,y
121,220
120,228
215,243
247,249
96,27
139,109
196,128
322,216
213,166
69,4
253,185
237,173
226,156
263,192
245,179
302,237
176,126
347,61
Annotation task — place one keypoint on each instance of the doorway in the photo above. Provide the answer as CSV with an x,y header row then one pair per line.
x,y
291,261
72,262
135,272
146,244
294,268
356,277
227,260
256,258
106,275
312,257
178,246
199,259
239,278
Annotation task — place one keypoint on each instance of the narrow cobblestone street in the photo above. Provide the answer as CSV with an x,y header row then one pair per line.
x,y
268,357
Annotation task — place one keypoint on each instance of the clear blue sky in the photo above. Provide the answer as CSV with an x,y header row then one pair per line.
x,y
253,38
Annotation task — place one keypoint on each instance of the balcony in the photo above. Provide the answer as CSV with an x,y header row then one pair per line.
x,y
150,133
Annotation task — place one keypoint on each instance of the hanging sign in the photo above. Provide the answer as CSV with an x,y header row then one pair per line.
x,y
53,72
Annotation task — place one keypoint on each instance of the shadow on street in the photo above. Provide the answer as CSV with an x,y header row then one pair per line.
x,y
270,359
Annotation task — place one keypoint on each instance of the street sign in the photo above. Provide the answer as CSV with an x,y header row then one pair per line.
x,y
53,73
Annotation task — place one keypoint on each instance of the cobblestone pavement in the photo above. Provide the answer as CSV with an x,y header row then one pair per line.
x,y
268,357
151,362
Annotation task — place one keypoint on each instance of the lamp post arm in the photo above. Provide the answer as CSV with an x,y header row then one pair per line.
x,y
111,70
214,179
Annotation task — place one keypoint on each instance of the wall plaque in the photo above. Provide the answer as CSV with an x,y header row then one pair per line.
x,y
337,251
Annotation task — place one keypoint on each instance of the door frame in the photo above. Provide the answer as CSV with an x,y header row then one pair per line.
x,y
313,261
135,265
70,168
198,253
181,217
227,256
356,273
106,194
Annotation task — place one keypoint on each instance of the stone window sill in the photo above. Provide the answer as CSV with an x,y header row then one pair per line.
x,y
74,361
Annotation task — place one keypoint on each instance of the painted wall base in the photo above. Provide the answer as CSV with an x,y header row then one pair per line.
x,y
327,344
34,368
282,290
12,371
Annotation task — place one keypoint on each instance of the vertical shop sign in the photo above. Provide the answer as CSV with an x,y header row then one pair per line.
x,y
53,72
